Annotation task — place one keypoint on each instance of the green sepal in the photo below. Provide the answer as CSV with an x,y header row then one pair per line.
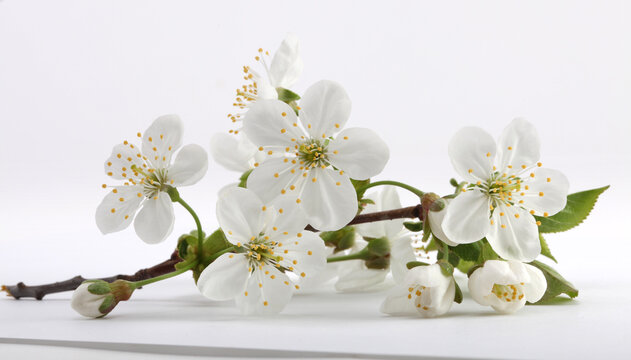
x,y
413,226
360,189
473,269
578,207
458,295
545,249
215,243
377,253
107,305
453,182
446,267
487,251
465,266
468,252
99,288
286,95
341,239
557,284
243,180
413,264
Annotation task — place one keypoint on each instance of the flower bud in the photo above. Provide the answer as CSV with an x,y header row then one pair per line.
x,y
96,298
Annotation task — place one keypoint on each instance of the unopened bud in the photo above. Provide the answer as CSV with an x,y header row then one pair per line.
x,y
96,298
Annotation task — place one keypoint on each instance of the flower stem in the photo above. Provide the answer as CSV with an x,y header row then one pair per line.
x,y
200,233
355,256
412,189
138,284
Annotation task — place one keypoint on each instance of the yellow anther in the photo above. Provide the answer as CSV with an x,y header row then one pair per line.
x,y
538,223
545,214
488,154
283,114
113,211
263,208
548,179
510,148
470,171
298,201
345,137
539,164
540,193
303,274
517,216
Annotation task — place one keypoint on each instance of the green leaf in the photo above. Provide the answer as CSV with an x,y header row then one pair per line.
x,y
545,250
487,251
578,206
413,264
458,295
413,226
286,95
469,252
557,284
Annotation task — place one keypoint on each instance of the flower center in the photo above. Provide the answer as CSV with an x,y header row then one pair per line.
x,y
417,292
508,293
152,180
313,153
260,251
500,188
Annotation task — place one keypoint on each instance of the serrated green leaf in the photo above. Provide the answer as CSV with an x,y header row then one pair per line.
x,y
468,252
545,249
413,226
578,207
557,284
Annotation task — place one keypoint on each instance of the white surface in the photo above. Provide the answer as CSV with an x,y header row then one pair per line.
x,y
78,77
593,327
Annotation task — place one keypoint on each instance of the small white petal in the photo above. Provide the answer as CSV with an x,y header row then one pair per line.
x,y
398,303
190,165
162,139
467,217
288,217
155,219
271,177
547,191
386,199
231,152
120,163
360,279
271,123
359,152
305,254
224,278
472,151
518,145
436,219
325,108
536,287
114,215
286,66
86,303
240,214
401,253
265,295
514,235
329,199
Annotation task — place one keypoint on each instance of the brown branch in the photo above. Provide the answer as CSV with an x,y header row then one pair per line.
x,y
409,212
38,292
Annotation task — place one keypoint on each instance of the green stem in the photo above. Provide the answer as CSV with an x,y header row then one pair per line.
x,y
446,251
200,233
412,189
355,256
138,284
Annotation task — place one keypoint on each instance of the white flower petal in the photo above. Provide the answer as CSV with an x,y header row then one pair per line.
x,y
386,199
123,158
265,125
162,139
482,280
514,234
436,219
231,152
240,214
268,291
286,66
271,177
360,279
113,214
547,191
224,278
289,217
325,108
467,217
401,253
155,219
536,287
359,152
190,165
86,303
329,199
398,303
518,146
306,254
472,151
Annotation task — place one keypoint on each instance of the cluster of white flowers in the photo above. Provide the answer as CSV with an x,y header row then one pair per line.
x,y
300,169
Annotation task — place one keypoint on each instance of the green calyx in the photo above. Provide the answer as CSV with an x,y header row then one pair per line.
x,y
342,239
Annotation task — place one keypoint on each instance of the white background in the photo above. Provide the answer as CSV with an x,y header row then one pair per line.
x,y
78,77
